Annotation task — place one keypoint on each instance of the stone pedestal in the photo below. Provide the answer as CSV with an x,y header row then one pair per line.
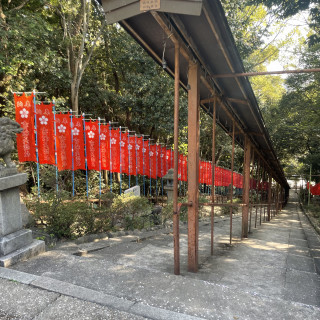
x,y
15,243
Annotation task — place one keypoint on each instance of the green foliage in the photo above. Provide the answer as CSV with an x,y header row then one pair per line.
x,y
226,210
70,218
66,218
167,211
314,209
131,210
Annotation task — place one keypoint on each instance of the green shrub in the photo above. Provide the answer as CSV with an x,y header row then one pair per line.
x,y
167,211
66,218
130,211
226,210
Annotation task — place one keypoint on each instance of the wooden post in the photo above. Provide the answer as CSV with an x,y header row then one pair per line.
x,y
231,191
277,198
246,187
193,165
250,188
269,197
175,173
213,169
257,191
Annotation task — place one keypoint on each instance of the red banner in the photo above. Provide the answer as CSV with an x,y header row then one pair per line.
x,y
45,130
184,171
63,142
124,153
92,143
132,156
200,172
78,144
161,161
153,160
218,177
168,160
237,180
146,163
105,147
171,158
115,150
139,155
315,190
207,173
210,173
25,117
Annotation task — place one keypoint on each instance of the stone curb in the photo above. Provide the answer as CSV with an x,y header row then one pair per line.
x,y
81,293
312,236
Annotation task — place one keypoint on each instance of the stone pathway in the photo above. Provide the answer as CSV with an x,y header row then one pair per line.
x,y
270,275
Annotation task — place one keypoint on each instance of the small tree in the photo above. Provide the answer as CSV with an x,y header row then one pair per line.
x,y
83,23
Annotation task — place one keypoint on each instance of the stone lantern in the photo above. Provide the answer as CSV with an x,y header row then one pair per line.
x,y
169,185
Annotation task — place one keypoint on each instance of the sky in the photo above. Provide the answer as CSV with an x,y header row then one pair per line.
x,y
286,55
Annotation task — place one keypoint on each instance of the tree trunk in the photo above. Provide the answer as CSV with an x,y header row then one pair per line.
x,y
75,97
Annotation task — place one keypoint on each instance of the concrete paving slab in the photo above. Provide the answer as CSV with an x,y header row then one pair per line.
x,y
81,293
22,301
298,242
292,292
300,263
303,279
299,251
67,308
267,276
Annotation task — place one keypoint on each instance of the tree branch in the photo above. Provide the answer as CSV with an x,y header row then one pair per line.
x,y
20,6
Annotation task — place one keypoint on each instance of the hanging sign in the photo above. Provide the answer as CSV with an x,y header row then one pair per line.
x,y
92,138
146,158
115,150
45,134
63,142
132,155
78,144
105,146
147,5
153,160
124,153
25,117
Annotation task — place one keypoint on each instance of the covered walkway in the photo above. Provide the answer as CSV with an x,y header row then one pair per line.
x,y
192,41
271,275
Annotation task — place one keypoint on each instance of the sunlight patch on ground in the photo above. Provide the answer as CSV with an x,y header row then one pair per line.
x,y
268,246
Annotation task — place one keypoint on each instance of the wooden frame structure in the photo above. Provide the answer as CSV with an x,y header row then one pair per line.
x,y
192,40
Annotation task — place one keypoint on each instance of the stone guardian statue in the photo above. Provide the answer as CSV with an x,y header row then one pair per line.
x,y
8,130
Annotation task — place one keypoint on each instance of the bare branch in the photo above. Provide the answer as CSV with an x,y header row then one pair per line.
x,y
20,6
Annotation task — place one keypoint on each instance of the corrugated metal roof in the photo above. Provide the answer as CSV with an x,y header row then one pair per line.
x,y
209,41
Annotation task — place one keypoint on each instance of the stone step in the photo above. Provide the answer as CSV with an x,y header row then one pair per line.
x,y
27,252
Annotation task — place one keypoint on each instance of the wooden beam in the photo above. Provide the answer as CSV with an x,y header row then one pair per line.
x,y
263,73
238,101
